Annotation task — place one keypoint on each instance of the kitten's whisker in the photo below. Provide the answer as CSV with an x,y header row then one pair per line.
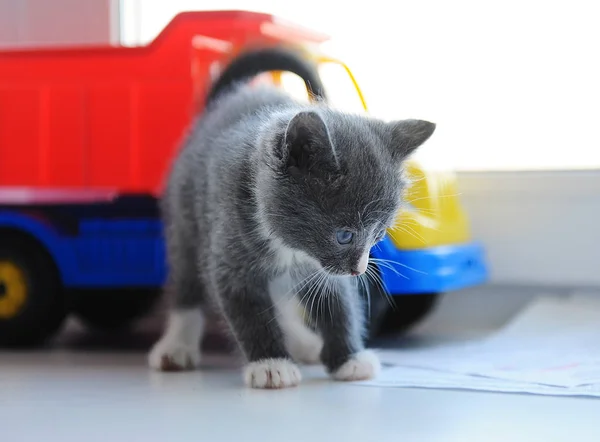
x,y
364,210
417,234
379,282
416,180
415,224
373,213
367,291
406,219
286,298
389,266
301,303
424,210
311,295
329,293
411,233
311,276
389,261
317,299
322,293
434,197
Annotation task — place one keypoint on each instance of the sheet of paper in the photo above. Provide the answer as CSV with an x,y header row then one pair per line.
x,y
408,377
552,347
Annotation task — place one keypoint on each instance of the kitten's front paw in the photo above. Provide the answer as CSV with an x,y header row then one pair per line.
x,y
172,355
360,367
272,373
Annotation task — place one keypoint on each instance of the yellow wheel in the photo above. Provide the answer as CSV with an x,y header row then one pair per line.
x,y
13,290
32,306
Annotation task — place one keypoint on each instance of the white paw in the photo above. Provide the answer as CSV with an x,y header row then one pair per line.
x,y
360,367
272,373
171,355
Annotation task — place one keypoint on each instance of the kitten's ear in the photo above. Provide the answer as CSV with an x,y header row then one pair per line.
x,y
307,146
407,135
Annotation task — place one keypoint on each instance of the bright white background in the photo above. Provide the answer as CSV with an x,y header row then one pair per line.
x,y
512,84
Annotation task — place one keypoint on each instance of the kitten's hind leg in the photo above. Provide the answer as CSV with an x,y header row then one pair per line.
x,y
179,346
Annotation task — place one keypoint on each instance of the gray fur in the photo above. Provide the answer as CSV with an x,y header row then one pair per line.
x,y
257,193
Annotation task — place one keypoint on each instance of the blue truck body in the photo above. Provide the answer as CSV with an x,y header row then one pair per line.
x,y
119,244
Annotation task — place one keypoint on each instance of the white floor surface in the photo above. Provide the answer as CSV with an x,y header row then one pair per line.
x,y
89,388
70,396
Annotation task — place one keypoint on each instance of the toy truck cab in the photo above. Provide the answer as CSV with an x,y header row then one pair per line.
x,y
86,136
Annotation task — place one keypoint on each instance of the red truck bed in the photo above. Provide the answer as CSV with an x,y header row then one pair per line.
x,y
111,117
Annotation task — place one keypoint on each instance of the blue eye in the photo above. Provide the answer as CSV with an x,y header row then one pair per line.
x,y
344,236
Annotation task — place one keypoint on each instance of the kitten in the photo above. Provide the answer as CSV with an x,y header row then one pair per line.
x,y
271,205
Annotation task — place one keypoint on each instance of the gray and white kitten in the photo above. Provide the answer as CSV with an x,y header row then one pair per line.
x,y
271,205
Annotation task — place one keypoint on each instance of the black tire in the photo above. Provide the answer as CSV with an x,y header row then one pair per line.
x,y
41,310
112,310
409,310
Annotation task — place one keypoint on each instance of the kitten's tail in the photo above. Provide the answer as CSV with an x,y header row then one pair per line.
x,y
258,61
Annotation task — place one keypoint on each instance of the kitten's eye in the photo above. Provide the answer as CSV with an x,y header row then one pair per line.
x,y
344,236
380,235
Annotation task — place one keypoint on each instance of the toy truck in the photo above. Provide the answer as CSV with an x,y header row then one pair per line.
x,y
86,136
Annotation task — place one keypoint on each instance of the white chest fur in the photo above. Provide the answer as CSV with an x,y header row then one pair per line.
x,y
303,344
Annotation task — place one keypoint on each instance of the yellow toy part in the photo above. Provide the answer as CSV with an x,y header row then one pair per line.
x,y
434,215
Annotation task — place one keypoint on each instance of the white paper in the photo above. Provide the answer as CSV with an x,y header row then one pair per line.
x,y
408,377
552,347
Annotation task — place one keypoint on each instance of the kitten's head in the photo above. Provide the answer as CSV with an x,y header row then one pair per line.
x,y
334,184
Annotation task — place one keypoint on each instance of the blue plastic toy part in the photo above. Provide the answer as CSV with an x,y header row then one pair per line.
x,y
118,253
99,253
430,270
121,245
